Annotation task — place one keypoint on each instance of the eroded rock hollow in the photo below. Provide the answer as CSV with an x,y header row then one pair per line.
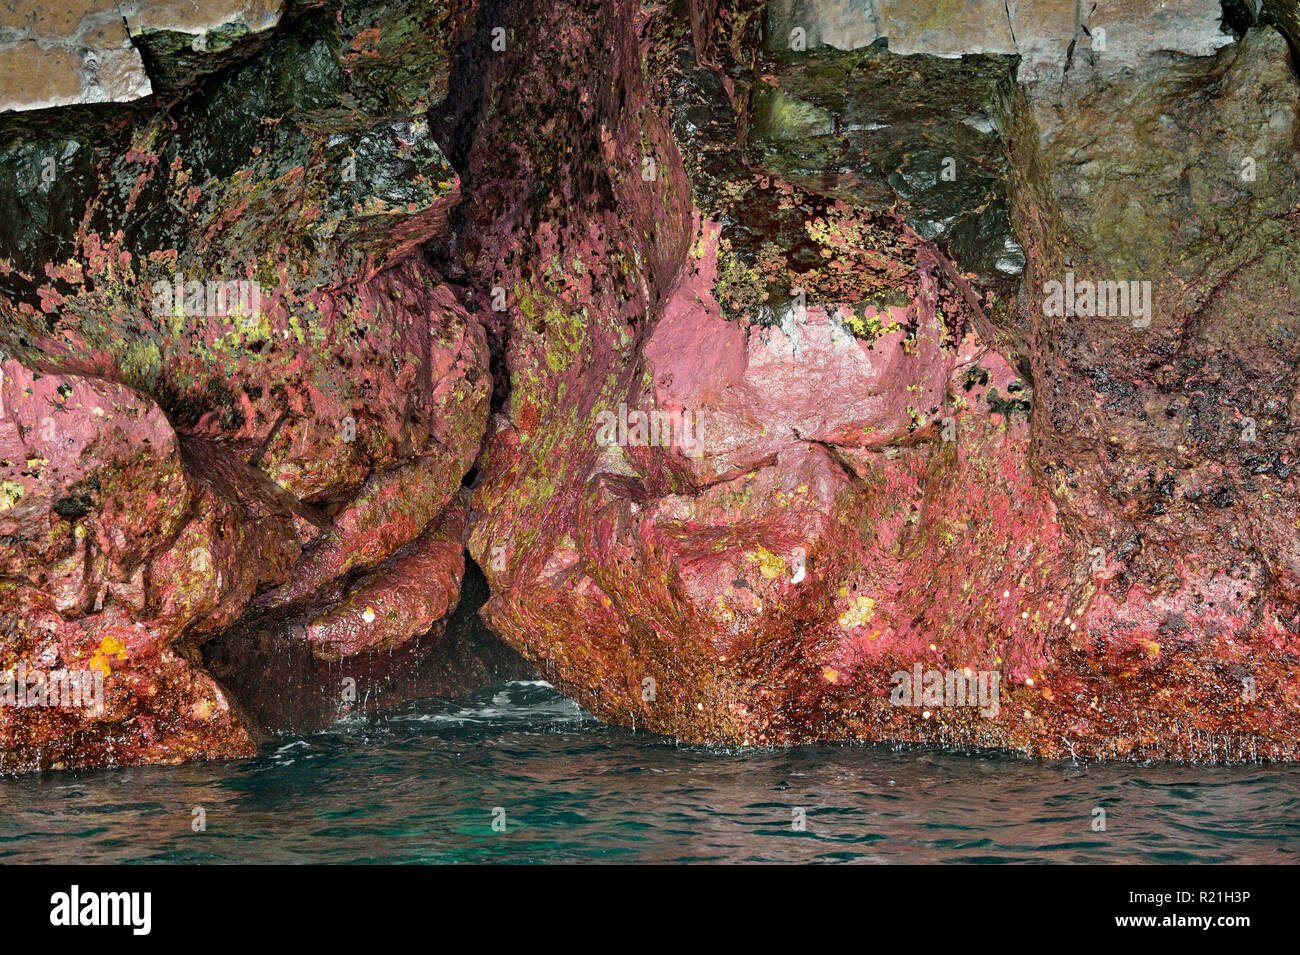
x,y
786,368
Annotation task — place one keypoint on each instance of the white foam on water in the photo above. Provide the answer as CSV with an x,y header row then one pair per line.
x,y
516,701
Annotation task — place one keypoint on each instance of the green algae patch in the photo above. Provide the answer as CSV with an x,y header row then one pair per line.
x,y
878,130
780,116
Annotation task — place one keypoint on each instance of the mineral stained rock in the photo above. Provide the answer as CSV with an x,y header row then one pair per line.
x,y
882,465
804,364
234,388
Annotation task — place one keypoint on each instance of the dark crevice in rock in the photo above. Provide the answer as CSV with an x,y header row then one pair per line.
x,y
455,126
1239,16
456,121
276,667
273,675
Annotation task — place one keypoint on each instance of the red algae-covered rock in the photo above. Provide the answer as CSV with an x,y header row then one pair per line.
x,y
102,690
99,510
404,598
803,391
238,390
799,478
62,439
395,503
758,390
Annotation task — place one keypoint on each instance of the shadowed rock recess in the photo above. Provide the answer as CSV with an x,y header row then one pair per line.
x,y
796,371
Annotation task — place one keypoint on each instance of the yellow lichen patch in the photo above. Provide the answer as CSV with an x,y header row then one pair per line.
x,y
698,246
11,492
769,563
109,646
203,710
859,614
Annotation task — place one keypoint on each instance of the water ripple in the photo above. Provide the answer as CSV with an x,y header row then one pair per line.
x,y
426,782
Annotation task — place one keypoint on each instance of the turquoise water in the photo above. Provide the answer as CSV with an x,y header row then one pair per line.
x,y
419,784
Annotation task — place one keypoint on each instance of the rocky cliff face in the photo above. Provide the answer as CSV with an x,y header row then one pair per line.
x,y
238,400
786,368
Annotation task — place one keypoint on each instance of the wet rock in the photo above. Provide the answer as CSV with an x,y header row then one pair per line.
x,y
111,546
1164,423
260,391
876,130
707,595
857,481
756,409
402,598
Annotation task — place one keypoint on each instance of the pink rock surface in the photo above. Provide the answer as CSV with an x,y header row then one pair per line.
x,y
863,498
400,600
877,466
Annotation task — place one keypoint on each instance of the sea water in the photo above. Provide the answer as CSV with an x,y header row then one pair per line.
x,y
518,773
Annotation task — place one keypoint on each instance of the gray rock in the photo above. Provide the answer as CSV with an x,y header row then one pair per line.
x,y
844,24
1047,34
